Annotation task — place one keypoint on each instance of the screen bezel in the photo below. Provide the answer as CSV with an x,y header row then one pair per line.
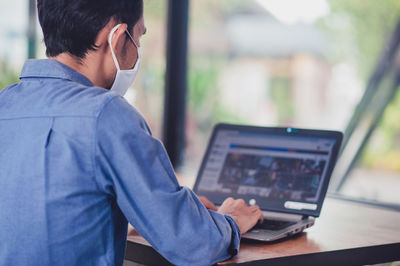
x,y
218,198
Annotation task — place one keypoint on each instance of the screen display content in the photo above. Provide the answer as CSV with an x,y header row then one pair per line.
x,y
272,177
284,171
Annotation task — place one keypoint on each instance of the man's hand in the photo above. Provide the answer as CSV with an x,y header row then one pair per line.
x,y
245,216
207,203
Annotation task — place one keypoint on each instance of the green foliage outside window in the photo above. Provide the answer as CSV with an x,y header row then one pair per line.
x,y
203,95
280,95
366,27
7,75
383,151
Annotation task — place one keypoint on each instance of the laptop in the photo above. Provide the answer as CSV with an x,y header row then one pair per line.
x,y
285,171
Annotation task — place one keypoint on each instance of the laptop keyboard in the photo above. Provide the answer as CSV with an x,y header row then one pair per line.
x,y
273,225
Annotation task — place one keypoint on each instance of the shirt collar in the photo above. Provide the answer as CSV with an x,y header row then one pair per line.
x,y
50,68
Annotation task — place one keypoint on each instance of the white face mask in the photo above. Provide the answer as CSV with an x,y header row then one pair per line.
x,y
124,78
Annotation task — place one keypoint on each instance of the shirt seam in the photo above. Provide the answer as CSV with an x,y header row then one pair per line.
x,y
46,116
94,149
60,71
70,79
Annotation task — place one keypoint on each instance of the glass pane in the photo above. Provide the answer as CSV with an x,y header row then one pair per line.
x,y
280,62
147,92
13,49
377,175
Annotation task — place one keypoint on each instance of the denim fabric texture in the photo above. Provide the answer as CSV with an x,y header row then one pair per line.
x,y
77,163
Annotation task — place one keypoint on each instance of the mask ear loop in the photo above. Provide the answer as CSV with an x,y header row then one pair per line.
x,y
112,50
130,36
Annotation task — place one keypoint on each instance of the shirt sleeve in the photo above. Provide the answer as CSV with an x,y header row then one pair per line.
x,y
134,167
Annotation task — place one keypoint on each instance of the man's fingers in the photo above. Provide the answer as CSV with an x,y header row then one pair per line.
x,y
244,215
240,202
229,200
207,203
261,217
255,209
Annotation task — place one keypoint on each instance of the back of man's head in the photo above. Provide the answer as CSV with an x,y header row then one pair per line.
x,y
71,26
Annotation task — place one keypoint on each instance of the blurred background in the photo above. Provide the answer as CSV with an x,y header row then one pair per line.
x,y
261,62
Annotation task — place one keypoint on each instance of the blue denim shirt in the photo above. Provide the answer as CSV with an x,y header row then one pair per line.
x,y
77,162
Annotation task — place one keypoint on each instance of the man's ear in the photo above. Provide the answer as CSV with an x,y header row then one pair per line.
x,y
118,38
102,39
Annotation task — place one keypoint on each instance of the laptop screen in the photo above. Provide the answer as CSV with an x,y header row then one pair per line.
x,y
280,169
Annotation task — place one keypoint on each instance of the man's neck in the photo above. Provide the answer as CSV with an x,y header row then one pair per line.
x,y
89,66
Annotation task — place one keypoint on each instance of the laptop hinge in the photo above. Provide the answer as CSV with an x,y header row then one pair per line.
x,y
281,216
305,216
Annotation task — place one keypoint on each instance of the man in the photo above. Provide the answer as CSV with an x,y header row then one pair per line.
x,y
78,162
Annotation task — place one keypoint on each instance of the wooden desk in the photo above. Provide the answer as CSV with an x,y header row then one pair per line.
x,y
347,233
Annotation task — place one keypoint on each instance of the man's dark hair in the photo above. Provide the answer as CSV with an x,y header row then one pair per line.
x,y
72,25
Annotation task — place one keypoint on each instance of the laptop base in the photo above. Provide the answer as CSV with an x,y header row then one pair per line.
x,y
272,235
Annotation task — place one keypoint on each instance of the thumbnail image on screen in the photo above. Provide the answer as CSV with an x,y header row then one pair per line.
x,y
279,177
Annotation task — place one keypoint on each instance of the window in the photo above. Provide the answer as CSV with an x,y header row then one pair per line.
x,y
147,92
13,50
303,64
